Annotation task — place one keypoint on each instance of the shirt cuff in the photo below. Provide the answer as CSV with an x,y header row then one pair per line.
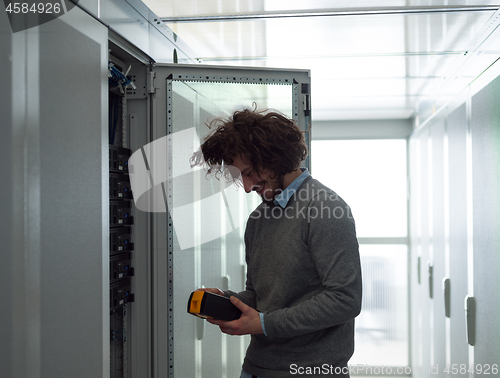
x,y
262,323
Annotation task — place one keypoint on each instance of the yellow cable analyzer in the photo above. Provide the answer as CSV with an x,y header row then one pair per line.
x,y
212,306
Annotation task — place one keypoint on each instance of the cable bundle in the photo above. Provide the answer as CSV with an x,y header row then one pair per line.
x,y
117,79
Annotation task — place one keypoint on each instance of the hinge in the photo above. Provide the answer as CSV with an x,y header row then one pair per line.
x,y
151,82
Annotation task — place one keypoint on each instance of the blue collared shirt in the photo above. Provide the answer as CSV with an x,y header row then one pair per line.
x,y
288,192
282,200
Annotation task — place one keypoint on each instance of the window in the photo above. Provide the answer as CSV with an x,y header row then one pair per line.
x,y
370,175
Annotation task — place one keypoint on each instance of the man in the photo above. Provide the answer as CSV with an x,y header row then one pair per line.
x,y
303,287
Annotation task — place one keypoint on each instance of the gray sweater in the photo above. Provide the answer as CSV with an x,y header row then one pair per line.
x,y
304,274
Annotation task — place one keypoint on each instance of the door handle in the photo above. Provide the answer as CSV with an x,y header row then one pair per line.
x,y
419,268
431,279
447,297
470,319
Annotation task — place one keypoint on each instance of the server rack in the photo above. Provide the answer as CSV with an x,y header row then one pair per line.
x,y
169,101
121,223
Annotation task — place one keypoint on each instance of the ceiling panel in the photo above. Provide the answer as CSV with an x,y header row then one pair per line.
x,y
376,65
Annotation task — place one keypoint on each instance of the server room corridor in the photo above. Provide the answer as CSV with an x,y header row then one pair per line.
x,y
107,227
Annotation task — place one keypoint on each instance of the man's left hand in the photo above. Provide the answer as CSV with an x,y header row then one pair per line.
x,y
247,324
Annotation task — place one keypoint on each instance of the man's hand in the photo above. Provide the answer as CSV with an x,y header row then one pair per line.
x,y
247,324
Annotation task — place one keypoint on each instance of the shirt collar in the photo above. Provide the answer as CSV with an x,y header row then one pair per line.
x,y
289,191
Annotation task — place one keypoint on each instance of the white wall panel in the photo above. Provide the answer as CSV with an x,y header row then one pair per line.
x,y
425,325
422,331
457,134
7,197
71,210
459,195
56,186
485,133
438,246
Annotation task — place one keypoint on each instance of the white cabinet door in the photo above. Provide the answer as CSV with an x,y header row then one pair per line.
x,y
53,198
199,223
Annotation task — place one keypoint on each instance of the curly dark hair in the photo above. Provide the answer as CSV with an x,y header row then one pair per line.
x,y
266,140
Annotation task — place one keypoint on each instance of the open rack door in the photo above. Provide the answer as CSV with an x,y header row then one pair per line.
x,y
199,223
